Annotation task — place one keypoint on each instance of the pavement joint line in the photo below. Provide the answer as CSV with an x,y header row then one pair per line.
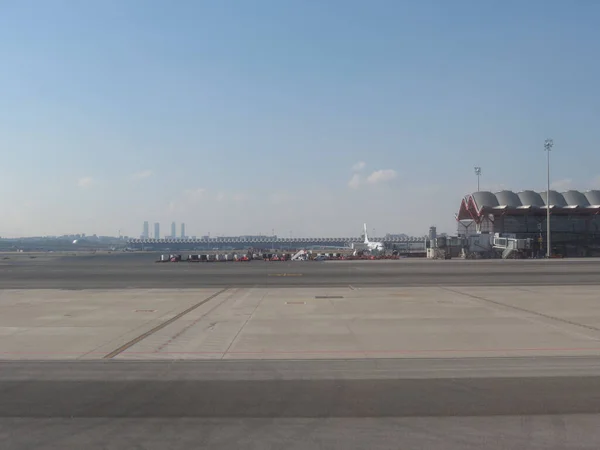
x,y
375,352
159,327
332,352
187,327
525,310
94,351
243,326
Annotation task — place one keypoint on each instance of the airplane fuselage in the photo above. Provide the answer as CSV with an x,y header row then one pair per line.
x,y
378,246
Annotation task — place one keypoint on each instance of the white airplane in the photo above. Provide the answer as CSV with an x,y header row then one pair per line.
x,y
372,245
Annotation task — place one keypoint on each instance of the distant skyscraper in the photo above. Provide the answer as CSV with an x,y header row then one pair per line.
x,y
156,230
146,232
173,230
182,230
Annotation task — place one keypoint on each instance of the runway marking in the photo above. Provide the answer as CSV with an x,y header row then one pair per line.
x,y
295,303
285,274
373,352
250,316
329,296
352,288
159,327
190,325
525,310
333,352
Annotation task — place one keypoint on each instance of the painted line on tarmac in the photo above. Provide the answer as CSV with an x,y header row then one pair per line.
x,y
286,274
162,325
524,310
375,352
321,352
193,323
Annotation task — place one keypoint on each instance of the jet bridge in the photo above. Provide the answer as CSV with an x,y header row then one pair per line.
x,y
511,247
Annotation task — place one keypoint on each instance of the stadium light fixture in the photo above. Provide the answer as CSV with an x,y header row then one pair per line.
x,y
478,173
547,148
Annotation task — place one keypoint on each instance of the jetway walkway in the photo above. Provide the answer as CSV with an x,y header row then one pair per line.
x,y
511,247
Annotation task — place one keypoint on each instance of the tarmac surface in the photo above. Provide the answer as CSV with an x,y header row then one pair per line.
x,y
115,351
381,404
139,270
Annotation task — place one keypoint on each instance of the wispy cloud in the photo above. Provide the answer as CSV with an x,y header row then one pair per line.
x,y
85,182
381,176
355,181
562,185
376,177
194,194
141,175
358,166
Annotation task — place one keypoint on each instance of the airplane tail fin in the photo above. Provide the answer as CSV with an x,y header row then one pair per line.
x,y
366,236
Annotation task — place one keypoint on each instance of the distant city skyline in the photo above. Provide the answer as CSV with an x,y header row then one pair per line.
x,y
183,234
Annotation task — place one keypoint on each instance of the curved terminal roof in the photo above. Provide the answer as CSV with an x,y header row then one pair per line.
x,y
530,198
508,198
576,198
487,202
593,197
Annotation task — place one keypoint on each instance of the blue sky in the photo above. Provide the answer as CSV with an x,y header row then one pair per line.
x,y
247,116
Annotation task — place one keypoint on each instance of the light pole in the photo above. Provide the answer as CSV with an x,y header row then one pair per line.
x,y
547,147
478,173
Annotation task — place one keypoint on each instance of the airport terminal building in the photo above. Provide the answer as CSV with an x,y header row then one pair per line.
x,y
574,218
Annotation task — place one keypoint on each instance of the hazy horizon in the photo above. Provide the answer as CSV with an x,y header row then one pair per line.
x,y
309,118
